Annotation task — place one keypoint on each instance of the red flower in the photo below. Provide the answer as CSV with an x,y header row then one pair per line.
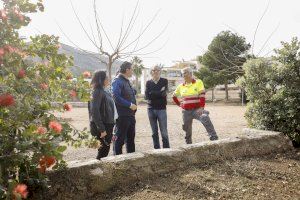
x,y
46,162
44,86
73,93
21,73
9,49
87,74
42,169
2,52
50,161
67,107
16,11
21,190
3,15
21,17
41,130
55,126
6,100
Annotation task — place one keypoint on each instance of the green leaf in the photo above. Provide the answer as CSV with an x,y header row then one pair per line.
x,y
61,148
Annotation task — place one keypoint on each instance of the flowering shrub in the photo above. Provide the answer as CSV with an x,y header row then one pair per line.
x,y
34,82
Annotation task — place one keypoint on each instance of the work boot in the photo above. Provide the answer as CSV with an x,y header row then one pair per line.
x,y
212,138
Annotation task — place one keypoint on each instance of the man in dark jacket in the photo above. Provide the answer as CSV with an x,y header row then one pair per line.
x,y
156,94
124,96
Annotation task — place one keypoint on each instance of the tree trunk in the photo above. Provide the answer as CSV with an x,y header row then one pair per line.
x,y
226,91
137,84
213,94
109,66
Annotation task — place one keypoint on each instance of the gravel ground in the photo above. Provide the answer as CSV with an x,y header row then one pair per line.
x,y
228,121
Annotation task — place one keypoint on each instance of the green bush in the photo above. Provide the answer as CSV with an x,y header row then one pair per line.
x,y
273,90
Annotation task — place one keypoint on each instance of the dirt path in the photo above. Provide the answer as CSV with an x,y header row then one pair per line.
x,y
228,121
269,177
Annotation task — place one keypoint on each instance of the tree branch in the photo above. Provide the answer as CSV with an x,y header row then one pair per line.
x,y
265,11
83,28
265,43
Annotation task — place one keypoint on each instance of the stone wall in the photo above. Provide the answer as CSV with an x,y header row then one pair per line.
x,y
85,179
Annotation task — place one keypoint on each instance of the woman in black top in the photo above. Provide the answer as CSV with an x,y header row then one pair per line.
x,y
102,112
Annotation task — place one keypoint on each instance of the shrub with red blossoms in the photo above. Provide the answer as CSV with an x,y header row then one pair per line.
x,y
29,130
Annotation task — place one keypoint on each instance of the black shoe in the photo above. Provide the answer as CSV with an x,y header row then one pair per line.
x,y
212,138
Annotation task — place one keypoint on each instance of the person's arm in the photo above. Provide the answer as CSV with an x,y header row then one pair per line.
x,y
116,89
147,95
95,110
201,93
176,94
166,89
159,94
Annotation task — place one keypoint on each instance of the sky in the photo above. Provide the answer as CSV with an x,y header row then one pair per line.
x,y
190,24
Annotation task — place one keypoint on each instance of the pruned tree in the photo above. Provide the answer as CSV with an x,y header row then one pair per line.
x,y
123,47
138,66
210,79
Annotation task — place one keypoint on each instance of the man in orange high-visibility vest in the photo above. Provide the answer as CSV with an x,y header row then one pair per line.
x,y
192,95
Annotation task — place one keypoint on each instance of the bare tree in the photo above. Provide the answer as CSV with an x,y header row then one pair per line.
x,y
124,47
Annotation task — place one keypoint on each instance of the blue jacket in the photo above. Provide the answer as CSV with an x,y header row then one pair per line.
x,y
124,95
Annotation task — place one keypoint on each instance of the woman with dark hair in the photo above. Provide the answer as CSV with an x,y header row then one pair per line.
x,y
102,112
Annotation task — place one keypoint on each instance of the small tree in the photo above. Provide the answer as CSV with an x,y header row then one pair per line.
x,y
226,54
209,78
273,91
137,65
30,132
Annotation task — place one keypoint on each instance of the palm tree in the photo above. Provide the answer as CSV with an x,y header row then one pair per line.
x,y
137,65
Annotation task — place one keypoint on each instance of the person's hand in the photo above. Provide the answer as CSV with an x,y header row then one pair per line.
x,y
200,111
114,138
133,107
95,145
103,134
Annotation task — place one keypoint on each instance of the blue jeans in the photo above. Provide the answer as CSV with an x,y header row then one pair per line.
x,y
159,116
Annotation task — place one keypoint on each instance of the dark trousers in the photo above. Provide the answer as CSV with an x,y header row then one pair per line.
x,y
105,142
125,133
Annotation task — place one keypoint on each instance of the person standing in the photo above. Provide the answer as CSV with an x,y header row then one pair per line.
x,y
125,100
156,94
102,112
192,94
